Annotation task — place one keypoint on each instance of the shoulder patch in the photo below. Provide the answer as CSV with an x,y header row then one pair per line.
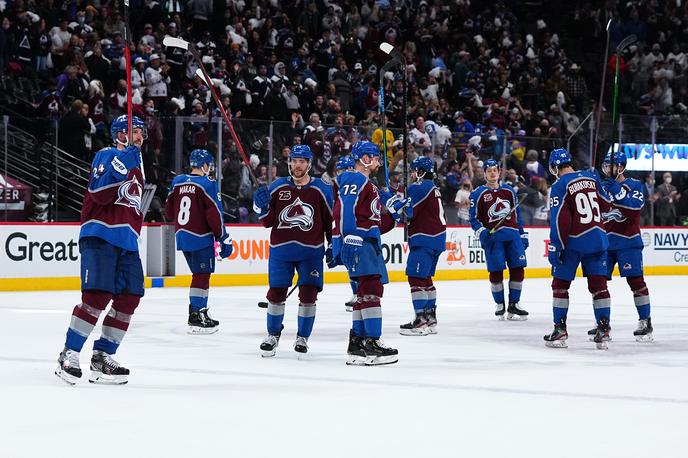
x,y
119,166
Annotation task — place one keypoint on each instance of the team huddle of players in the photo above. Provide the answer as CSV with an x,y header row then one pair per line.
x,y
594,223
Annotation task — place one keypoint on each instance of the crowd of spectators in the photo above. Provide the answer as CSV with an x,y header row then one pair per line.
x,y
507,79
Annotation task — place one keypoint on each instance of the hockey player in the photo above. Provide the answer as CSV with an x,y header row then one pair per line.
x,y
111,269
195,206
298,209
359,222
496,220
577,236
344,164
622,223
427,238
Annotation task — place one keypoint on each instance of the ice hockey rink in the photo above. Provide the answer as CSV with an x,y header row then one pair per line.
x,y
479,388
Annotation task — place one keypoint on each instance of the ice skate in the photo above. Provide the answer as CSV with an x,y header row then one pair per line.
x,y
355,351
417,327
644,331
200,323
107,371
301,345
269,346
557,339
515,312
377,354
499,311
431,318
602,335
68,366
349,305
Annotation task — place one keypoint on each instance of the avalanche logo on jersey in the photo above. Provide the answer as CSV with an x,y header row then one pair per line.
x,y
130,193
296,214
375,209
613,215
499,210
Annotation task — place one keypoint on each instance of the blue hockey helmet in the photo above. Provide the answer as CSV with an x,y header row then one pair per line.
x,y
345,162
422,163
363,148
121,125
619,159
301,152
557,158
491,163
199,157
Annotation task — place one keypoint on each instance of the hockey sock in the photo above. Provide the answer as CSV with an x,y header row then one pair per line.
x,y
516,276
84,318
419,294
198,292
432,296
560,299
308,294
276,298
597,285
369,291
357,321
641,296
116,323
497,287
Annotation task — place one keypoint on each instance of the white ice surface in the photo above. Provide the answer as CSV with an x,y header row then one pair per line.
x,y
480,388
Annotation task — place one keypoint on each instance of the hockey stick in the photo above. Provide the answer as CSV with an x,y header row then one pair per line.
x,y
127,68
391,63
186,46
264,305
503,220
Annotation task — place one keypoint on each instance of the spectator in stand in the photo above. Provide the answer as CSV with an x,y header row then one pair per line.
x,y
665,208
98,65
418,137
649,198
72,128
462,202
156,79
532,167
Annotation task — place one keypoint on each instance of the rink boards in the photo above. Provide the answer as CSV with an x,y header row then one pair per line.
x,y
46,256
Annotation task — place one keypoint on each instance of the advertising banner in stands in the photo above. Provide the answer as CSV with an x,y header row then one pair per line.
x,y
669,157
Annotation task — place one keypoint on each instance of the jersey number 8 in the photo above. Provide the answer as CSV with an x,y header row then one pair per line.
x,y
184,211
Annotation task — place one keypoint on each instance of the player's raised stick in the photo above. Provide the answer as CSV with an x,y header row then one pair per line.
x,y
127,67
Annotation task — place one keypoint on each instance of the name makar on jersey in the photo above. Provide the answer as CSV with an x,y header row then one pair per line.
x,y
195,204
112,201
300,218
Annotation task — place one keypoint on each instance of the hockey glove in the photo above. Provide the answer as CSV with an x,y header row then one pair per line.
x,y
554,255
351,250
329,258
524,240
128,159
385,195
226,247
485,239
615,189
261,200
396,206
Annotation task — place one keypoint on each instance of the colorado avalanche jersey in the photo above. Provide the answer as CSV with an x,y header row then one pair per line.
x,y
195,206
300,218
358,211
427,226
112,201
490,206
576,213
622,220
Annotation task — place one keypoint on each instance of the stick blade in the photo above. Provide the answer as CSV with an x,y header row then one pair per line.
x,y
175,42
199,73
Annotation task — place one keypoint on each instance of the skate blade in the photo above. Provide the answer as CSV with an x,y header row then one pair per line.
x,y
602,345
606,339
349,308
414,332
647,338
381,360
556,344
356,360
65,377
432,330
268,353
263,305
514,317
103,379
500,317
200,330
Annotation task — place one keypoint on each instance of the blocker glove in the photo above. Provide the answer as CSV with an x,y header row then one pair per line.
x,y
554,255
261,200
351,250
226,247
396,205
